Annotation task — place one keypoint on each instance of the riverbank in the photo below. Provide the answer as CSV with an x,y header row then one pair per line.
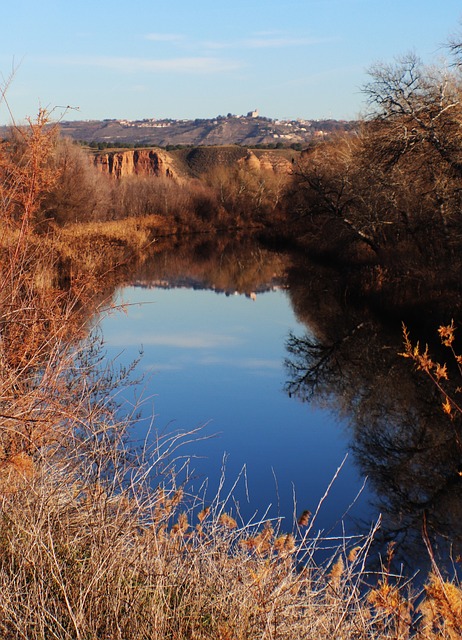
x,y
104,550
98,540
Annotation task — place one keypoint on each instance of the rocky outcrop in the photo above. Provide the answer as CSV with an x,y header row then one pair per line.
x,y
145,162
266,161
193,164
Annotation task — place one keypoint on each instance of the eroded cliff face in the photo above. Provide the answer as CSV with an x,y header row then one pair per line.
x,y
160,163
144,162
266,161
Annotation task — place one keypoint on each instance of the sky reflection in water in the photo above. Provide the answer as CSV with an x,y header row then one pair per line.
x,y
217,361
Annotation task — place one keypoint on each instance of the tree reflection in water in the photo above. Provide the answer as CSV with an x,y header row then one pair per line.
x,y
349,360
402,440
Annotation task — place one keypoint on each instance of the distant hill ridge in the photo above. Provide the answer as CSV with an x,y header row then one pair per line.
x,y
250,130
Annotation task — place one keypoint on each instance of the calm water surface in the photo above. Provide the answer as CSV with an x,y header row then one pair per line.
x,y
216,361
222,363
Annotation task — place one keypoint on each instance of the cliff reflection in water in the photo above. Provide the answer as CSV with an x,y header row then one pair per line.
x,y
402,440
219,263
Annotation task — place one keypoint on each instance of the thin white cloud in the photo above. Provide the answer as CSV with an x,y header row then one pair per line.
x,y
277,43
193,340
204,64
243,363
260,363
270,32
267,41
164,37
162,367
139,88
196,340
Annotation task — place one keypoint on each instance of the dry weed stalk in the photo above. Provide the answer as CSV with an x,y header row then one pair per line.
x,y
437,372
442,607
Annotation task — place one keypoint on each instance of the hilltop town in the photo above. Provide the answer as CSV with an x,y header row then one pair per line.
x,y
248,130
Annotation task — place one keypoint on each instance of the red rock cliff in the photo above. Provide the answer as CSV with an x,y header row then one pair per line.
x,y
146,162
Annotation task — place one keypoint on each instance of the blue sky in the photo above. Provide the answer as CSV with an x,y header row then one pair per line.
x,y
201,58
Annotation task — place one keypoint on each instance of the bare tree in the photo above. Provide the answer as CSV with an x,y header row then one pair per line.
x,y
418,108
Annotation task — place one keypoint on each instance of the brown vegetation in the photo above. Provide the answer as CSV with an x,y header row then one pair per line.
x,y
393,186
97,542
247,194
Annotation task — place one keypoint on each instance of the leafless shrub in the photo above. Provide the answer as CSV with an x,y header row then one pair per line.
x,y
81,194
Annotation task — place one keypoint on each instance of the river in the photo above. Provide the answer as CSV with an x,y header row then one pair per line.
x,y
283,387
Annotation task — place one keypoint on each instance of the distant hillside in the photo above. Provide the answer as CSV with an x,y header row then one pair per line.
x,y
243,130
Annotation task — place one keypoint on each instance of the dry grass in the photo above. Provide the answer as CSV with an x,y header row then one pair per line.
x,y
88,554
99,543
99,247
